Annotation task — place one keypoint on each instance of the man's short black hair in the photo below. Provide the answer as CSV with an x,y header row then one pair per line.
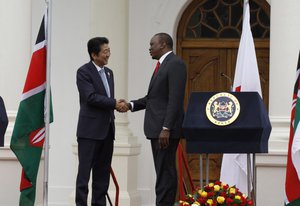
x,y
164,37
94,45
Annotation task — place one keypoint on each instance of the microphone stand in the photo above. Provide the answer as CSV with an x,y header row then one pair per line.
x,y
229,79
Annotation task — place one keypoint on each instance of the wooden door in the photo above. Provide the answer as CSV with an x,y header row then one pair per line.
x,y
208,40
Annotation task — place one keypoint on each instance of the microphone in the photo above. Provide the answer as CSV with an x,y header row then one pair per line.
x,y
230,80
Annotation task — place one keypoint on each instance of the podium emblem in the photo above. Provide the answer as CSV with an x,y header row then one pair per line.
x,y
222,109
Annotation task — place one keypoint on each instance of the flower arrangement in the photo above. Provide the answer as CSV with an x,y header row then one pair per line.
x,y
216,194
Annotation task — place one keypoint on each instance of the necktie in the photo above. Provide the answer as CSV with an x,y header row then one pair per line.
x,y
156,68
105,82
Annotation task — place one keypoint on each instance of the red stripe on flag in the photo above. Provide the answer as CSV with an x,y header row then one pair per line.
x,y
36,76
292,181
24,182
238,89
33,138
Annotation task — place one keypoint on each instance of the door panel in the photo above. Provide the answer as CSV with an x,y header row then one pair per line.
x,y
204,69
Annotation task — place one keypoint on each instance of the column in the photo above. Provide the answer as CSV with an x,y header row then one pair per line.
x,y
283,63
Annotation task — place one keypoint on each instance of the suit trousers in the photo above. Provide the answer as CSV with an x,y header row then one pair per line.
x,y
94,156
166,173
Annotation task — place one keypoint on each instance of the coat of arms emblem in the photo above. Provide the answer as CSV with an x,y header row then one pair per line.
x,y
222,109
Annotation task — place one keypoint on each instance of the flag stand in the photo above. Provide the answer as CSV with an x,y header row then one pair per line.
x,y
206,169
251,177
47,100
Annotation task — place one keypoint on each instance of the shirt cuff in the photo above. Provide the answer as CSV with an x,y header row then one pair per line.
x,y
132,105
166,128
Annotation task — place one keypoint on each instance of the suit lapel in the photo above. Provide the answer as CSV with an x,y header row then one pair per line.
x,y
161,68
96,76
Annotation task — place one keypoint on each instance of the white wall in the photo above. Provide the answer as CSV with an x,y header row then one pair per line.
x,y
15,24
285,45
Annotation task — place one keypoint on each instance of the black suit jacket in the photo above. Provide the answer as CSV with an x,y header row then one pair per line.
x,y
96,113
164,100
3,122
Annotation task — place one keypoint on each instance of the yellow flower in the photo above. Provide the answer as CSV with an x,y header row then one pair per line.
x,y
220,199
237,197
211,184
216,188
199,192
209,201
184,203
232,190
196,204
203,194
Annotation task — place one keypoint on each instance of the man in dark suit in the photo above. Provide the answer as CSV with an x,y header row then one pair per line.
x,y
3,122
164,115
96,128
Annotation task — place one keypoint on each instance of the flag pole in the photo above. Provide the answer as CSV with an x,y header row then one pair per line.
x,y
47,101
244,5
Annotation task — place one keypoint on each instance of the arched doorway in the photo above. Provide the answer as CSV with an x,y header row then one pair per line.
x,y
207,39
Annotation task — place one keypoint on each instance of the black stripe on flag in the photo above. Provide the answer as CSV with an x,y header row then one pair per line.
x,y
296,86
41,36
298,67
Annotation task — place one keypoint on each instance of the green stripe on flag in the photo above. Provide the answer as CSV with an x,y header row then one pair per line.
x,y
30,114
30,117
294,203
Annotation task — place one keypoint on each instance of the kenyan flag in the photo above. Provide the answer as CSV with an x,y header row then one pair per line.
x,y
292,181
29,130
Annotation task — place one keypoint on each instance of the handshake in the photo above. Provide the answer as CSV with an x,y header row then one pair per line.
x,y
122,105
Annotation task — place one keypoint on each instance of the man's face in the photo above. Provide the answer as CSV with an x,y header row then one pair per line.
x,y
155,48
102,57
